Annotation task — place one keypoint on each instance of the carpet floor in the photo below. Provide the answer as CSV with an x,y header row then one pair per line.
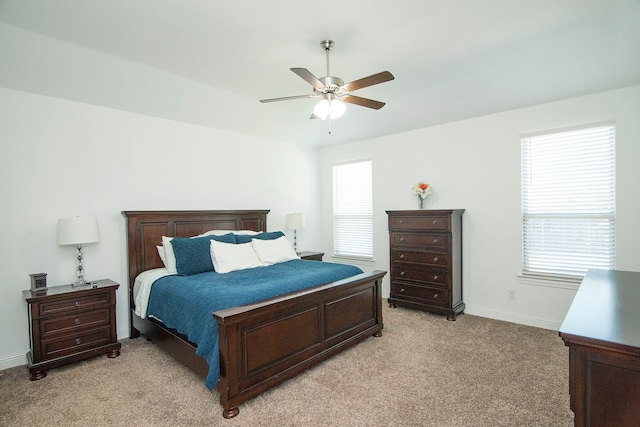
x,y
423,371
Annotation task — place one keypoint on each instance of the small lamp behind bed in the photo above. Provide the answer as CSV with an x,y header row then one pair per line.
x,y
295,222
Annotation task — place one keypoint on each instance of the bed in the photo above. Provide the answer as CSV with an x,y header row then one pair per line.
x,y
264,343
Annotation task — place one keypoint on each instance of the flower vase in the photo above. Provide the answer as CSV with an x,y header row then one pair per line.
x,y
421,202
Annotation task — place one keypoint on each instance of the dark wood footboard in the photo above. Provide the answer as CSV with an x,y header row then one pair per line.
x,y
265,343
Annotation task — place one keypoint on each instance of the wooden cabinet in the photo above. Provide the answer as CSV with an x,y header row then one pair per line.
x,y
426,260
71,323
602,332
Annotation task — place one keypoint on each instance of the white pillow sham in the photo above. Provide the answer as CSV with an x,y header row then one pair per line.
x,y
223,232
169,256
274,251
227,257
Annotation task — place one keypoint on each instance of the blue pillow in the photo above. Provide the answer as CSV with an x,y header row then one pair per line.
x,y
193,255
246,238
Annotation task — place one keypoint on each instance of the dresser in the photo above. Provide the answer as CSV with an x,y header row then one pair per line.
x,y
70,323
426,260
602,331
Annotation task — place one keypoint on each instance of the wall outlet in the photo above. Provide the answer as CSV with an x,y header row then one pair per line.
x,y
511,294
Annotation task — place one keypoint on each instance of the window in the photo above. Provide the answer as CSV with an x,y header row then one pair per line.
x,y
568,202
353,210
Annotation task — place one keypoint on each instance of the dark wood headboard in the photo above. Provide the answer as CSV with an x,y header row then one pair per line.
x,y
146,228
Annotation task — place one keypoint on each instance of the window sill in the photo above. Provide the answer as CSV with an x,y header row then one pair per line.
x,y
368,262
550,281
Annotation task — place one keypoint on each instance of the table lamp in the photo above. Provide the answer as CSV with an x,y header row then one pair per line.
x,y
295,222
78,231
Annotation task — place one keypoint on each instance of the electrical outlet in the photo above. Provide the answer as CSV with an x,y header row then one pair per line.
x,y
511,294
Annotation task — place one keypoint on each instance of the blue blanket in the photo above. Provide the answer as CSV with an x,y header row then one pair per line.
x,y
186,303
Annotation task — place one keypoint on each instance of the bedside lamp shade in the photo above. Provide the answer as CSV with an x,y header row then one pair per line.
x,y
76,231
295,222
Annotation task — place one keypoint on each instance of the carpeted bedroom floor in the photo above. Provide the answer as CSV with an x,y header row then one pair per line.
x,y
423,371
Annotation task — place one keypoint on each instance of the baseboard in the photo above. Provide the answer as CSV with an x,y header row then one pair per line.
x,y
13,361
513,318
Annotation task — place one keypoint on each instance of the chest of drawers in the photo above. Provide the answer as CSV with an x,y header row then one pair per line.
x,y
68,324
426,260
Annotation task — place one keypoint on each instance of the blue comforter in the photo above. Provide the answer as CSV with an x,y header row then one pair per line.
x,y
186,303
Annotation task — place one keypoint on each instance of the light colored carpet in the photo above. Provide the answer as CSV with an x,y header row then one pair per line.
x,y
423,371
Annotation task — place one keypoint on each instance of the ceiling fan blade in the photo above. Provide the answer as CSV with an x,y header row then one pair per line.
x,y
310,78
286,98
374,79
363,102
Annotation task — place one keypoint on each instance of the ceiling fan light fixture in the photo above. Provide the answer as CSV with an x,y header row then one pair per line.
x,y
332,108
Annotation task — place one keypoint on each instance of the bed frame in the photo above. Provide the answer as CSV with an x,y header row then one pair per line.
x,y
265,343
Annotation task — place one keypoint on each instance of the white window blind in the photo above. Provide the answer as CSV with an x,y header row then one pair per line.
x,y
353,210
568,202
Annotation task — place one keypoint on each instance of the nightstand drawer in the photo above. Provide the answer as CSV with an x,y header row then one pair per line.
x,y
71,344
425,240
420,223
422,294
67,324
78,302
429,258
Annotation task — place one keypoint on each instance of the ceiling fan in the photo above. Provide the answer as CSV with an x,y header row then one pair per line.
x,y
334,92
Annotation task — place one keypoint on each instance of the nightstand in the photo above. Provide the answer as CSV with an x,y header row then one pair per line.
x,y
71,323
313,256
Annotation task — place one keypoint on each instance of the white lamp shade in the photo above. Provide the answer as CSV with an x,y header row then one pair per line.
x,y
79,230
294,221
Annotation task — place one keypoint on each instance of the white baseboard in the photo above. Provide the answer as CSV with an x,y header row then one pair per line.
x,y
13,361
513,318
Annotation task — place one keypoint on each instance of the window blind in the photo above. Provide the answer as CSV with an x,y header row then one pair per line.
x,y
353,210
568,201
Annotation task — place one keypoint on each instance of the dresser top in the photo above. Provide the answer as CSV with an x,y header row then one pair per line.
x,y
605,309
428,212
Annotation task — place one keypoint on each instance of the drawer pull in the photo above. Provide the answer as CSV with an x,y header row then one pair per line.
x,y
435,240
402,256
402,273
402,239
77,321
77,303
435,296
401,290
435,259
435,221
435,277
401,221
78,341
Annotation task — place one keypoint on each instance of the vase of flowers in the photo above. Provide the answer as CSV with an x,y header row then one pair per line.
x,y
422,190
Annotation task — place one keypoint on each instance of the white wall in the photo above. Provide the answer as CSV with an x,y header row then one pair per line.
x,y
475,165
63,158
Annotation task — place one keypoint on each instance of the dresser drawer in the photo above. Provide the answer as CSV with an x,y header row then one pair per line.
x,y
75,343
424,240
418,223
421,274
421,294
72,304
441,259
67,324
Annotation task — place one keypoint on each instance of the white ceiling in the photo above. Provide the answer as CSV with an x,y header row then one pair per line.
x,y
451,60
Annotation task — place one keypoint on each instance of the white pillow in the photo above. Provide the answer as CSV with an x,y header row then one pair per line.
x,y
274,251
228,257
169,256
161,254
222,232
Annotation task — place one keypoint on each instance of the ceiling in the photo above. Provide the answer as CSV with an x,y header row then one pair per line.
x,y
451,60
